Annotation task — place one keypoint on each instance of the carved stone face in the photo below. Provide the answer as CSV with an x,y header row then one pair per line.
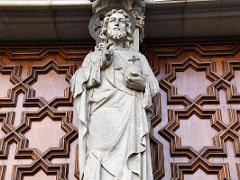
x,y
116,28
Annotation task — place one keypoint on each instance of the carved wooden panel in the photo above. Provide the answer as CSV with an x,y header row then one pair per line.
x,y
38,125
200,107
195,126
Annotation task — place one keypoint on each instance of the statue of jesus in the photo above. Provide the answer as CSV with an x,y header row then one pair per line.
x,y
113,91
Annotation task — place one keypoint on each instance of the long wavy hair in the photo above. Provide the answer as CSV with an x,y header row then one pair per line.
x,y
103,34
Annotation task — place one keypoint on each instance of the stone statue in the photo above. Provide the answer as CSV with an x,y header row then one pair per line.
x,y
113,92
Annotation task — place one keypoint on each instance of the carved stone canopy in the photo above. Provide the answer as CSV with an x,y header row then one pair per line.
x,y
126,4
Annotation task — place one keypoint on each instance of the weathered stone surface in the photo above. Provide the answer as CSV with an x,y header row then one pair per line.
x,y
113,91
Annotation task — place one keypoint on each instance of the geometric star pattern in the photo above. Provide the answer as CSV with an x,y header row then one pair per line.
x,y
33,67
216,65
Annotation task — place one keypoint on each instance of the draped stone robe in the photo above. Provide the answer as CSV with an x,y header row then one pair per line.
x,y
114,126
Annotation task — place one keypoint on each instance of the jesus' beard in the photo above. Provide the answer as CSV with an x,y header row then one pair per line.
x,y
116,35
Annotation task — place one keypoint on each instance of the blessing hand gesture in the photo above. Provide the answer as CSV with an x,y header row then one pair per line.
x,y
106,56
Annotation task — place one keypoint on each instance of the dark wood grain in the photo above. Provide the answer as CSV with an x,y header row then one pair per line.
x,y
195,123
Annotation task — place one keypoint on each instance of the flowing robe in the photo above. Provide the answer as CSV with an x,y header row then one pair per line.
x,y
114,124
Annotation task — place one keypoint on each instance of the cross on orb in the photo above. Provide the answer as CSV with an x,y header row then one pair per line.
x,y
133,59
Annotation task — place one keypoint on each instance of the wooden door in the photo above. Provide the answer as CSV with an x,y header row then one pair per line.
x,y
38,128
195,127
200,108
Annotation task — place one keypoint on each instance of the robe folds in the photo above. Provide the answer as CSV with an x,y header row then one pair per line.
x,y
113,119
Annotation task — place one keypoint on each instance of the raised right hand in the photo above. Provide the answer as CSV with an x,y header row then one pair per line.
x,y
106,56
